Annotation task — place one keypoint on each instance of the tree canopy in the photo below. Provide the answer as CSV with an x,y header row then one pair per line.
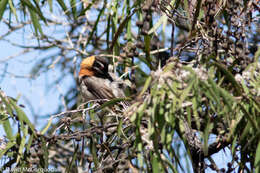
x,y
191,70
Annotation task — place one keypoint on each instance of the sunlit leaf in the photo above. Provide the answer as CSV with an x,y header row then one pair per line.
x,y
162,20
3,5
8,129
155,164
9,145
44,130
146,85
257,158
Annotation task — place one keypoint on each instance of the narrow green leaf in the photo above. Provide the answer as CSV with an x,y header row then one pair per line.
x,y
29,143
10,2
141,110
146,86
3,4
108,31
35,21
158,24
255,137
139,155
214,91
128,12
50,2
128,31
195,111
163,133
147,44
177,157
93,150
22,144
73,8
227,98
155,164
229,76
120,29
87,8
63,6
37,9
8,129
233,145
47,126
133,117
119,127
171,165
95,25
246,131
9,145
257,158
201,15
68,170
206,134
249,117
22,116
112,102
186,5
187,90
151,129
45,157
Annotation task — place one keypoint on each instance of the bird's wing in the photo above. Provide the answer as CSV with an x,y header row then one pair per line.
x,y
99,87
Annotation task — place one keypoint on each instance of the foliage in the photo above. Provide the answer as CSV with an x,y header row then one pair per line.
x,y
193,74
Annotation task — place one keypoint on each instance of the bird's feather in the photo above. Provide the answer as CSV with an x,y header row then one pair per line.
x,y
99,87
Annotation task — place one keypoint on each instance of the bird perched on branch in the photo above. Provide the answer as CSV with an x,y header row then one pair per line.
x,y
96,82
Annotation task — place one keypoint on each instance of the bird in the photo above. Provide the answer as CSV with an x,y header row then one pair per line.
x,y
96,82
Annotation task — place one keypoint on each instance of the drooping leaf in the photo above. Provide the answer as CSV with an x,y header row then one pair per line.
x,y
229,76
35,21
3,5
22,116
74,156
257,158
95,25
8,129
73,6
64,7
10,2
162,20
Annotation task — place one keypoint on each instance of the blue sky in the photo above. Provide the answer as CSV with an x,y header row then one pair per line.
x,y
16,81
